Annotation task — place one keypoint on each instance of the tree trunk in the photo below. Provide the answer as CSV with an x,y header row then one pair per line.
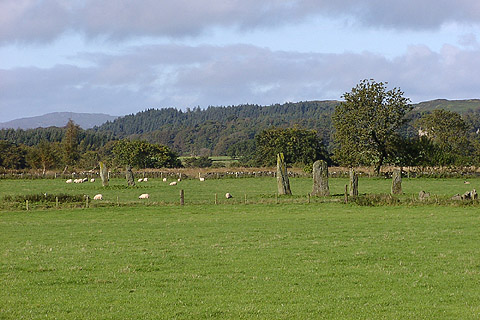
x,y
282,176
320,179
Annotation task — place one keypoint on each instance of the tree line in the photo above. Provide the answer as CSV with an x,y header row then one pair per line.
x,y
371,126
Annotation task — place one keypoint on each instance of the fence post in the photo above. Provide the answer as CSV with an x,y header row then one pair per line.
x,y
86,202
56,202
26,204
346,193
216,202
182,197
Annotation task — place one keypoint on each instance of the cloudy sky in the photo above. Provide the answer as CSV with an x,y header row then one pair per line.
x,y
124,56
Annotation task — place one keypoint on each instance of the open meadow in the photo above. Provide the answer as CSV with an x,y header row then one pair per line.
x,y
154,259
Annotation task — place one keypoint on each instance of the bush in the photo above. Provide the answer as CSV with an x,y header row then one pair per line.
x,y
41,197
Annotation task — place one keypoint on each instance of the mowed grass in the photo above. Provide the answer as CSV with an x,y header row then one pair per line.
x,y
263,261
155,260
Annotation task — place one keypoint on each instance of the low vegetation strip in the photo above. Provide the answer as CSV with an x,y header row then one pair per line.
x,y
287,261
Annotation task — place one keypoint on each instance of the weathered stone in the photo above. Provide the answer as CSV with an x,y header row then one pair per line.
x,y
129,176
353,187
456,197
104,174
397,181
283,183
422,195
320,179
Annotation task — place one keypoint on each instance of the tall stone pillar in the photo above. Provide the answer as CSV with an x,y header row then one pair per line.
x,y
320,179
397,181
282,175
353,188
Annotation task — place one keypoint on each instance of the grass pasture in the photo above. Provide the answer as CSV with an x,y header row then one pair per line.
x,y
291,260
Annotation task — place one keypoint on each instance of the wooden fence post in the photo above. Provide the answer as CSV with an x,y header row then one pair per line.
x,y
182,197
346,194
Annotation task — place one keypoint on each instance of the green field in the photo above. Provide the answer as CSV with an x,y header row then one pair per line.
x,y
256,190
293,260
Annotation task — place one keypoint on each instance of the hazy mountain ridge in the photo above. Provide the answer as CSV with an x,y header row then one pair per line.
x,y
58,119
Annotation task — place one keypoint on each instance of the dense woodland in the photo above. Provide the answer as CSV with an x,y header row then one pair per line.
x,y
232,130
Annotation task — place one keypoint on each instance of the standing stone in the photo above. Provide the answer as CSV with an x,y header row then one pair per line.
x,y
104,174
320,179
282,176
129,176
353,183
397,181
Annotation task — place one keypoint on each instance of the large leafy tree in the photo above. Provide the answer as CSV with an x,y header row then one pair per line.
x,y
70,143
142,154
449,134
367,123
11,155
299,146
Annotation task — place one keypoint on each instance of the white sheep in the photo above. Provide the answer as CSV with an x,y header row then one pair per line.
x,y
84,179
140,180
98,197
92,180
228,195
202,179
145,179
179,179
164,179
69,181
144,196
174,183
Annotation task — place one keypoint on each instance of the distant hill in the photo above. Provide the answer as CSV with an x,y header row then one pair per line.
x,y
459,106
212,131
59,119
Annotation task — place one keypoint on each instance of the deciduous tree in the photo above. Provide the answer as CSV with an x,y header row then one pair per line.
x,y
367,123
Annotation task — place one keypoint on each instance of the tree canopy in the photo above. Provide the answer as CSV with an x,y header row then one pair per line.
x,y
299,146
367,124
142,154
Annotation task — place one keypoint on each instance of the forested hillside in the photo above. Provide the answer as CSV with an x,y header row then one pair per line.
x,y
223,130
216,130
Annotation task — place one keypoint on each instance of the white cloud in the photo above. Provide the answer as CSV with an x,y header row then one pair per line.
x,y
42,21
187,76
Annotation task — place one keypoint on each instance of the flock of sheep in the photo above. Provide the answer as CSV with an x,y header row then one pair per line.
x,y
143,195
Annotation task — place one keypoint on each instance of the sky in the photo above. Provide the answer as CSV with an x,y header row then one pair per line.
x,y
124,56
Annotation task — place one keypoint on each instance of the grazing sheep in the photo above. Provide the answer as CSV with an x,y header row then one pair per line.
x,y
69,181
140,180
164,179
202,179
98,197
467,182
145,179
179,179
144,196
174,183
84,179
77,181
92,180
228,195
